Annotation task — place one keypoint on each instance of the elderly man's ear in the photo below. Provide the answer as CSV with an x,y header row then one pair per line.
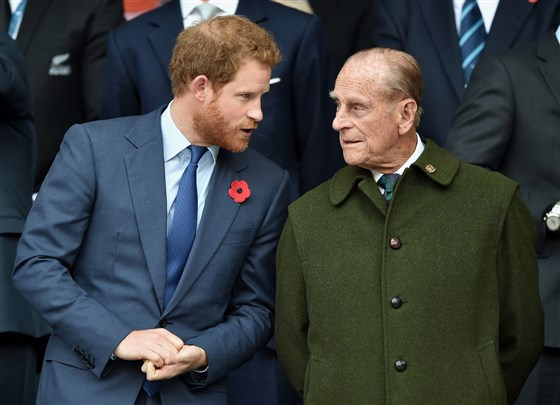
x,y
406,112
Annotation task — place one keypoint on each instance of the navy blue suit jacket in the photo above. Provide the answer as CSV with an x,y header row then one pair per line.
x,y
93,253
426,29
296,131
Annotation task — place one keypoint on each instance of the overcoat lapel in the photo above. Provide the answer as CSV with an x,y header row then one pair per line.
x,y
219,213
510,18
146,178
345,180
440,20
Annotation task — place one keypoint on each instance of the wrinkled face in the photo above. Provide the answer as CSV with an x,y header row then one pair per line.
x,y
366,120
232,114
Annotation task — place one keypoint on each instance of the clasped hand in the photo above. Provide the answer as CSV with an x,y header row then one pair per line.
x,y
165,355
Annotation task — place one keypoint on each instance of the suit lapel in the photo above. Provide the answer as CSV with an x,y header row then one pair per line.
x,y
252,9
440,20
32,16
510,18
219,213
548,53
166,25
146,177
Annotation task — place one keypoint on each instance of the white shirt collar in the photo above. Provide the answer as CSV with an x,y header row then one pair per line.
x,y
558,34
413,158
227,6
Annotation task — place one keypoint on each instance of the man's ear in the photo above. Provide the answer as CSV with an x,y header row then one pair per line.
x,y
201,87
407,113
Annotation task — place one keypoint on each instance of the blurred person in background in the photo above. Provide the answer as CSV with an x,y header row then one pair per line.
x,y
432,31
509,122
64,42
20,325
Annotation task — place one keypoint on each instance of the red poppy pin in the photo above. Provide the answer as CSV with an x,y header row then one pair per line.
x,y
533,1
239,191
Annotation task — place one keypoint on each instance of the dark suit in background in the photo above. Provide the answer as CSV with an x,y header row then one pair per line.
x,y
19,324
295,132
427,30
347,25
510,122
64,42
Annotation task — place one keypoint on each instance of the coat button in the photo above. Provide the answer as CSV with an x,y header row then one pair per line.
x,y
400,365
395,243
396,302
163,323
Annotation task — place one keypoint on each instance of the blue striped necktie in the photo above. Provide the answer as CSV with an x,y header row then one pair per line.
x,y
472,37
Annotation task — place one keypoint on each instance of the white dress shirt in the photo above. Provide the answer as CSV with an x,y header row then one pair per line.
x,y
176,157
413,158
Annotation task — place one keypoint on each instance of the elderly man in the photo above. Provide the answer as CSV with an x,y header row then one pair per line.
x,y
409,277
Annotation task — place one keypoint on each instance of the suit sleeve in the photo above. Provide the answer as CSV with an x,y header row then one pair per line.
x,y
319,152
109,14
291,311
521,315
50,244
483,124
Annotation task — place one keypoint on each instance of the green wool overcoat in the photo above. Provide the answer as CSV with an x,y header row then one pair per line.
x,y
432,300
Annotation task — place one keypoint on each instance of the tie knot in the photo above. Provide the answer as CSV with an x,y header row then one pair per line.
x,y
207,10
196,153
388,181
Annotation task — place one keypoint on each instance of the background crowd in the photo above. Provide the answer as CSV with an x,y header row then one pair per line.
x,y
64,62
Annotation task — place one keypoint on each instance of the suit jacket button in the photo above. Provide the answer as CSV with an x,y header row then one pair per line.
x,y
396,302
395,243
163,323
400,365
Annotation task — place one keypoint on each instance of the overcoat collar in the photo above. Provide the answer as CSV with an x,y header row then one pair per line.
x,y
437,164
